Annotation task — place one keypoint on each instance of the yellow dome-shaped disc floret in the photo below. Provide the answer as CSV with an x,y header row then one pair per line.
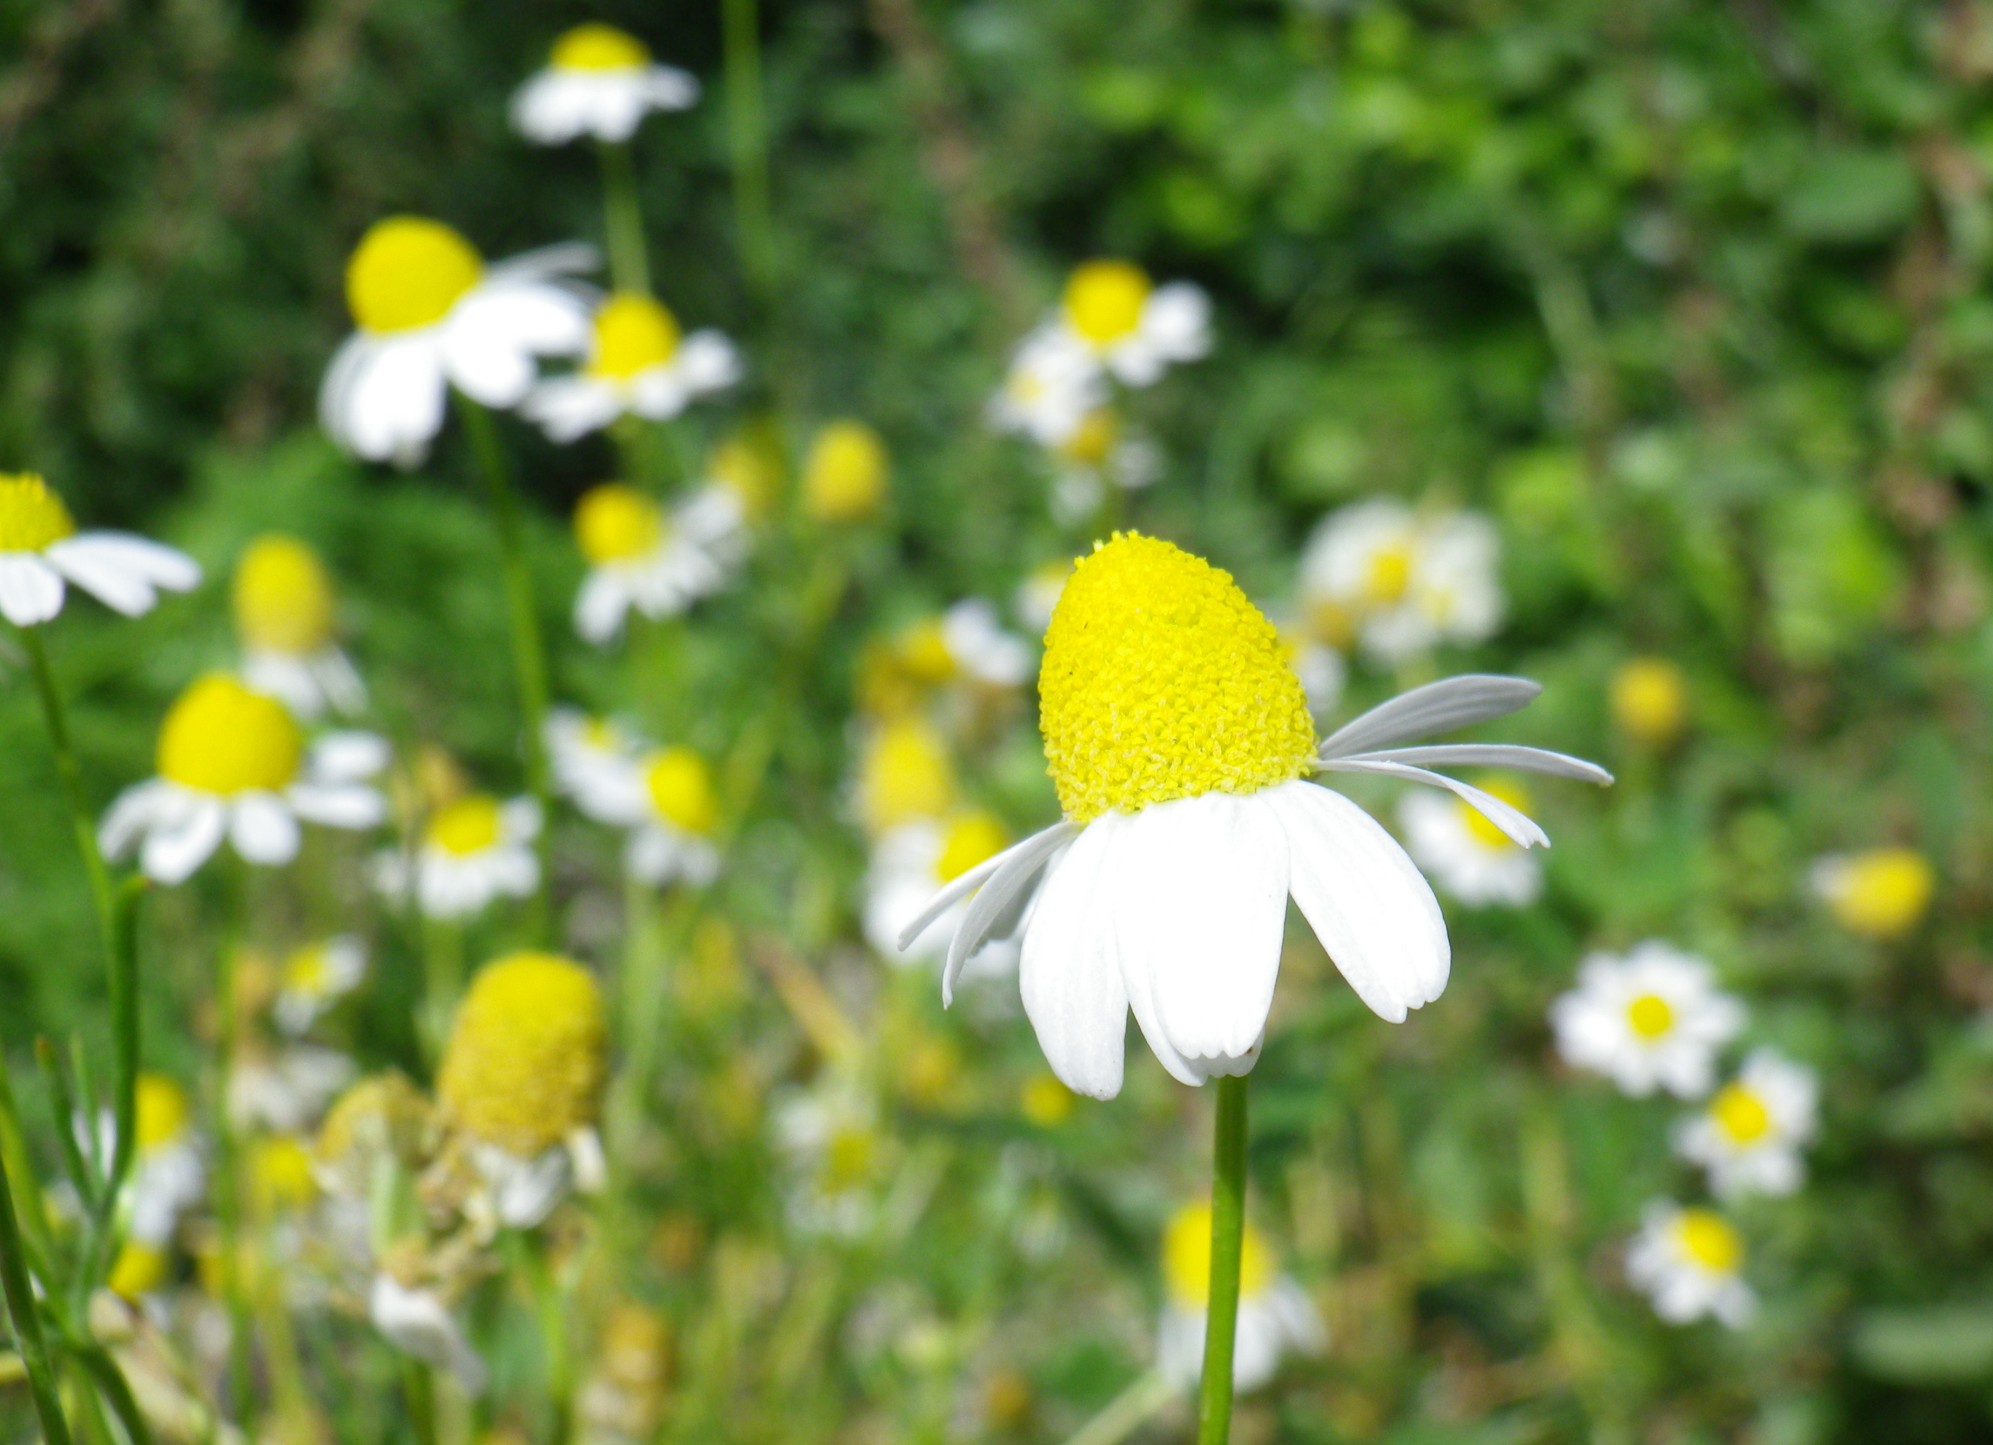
x,y
163,1112
681,790
905,776
1710,1240
1740,1113
282,597
597,47
467,826
633,333
1650,1017
617,523
527,1056
222,738
1187,1259
31,516
844,477
1162,681
407,273
1104,300
1092,441
1881,894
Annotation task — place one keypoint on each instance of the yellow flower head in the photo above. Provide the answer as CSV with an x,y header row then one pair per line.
x,y
905,776
1880,894
1650,1017
973,837
141,1268
1479,828
617,523
222,738
408,273
1162,681
283,597
1740,1114
280,1177
1092,441
844,477
680,785
597,47
635,1348
163,1112
749,464
1187,1259
1104,300
633,333
468,826
528,1054
381,1116
32,518
1048,1103
1710,1240
1650,701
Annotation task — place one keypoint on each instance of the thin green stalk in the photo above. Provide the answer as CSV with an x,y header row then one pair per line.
x,y
103,1235
227,1188
116,1390
1127,1412
27,1323
443,982
551,1303
1228,1232
418,1388
747,141
623,220
71,773
79,1163
529,656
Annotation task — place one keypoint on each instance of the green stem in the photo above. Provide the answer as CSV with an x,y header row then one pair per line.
x,y
443,982
1228,1232
623,220
116,1390
71,773
418,1388
747,140
551,1303
228,1196
529,656
27,1323
1127,1412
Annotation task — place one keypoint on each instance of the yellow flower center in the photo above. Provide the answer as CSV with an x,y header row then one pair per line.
x,y
924,653
1046,1102
1650,1016
1484,832
1650,701
599,47
280,1176
1162,681
283,598
1388,575
848,1158
971,839
681,789
472,824
1104,300
1187,1259
407,272
527,1055
844,476
141,1269
1092,441
1740,1114
617,523
31,516
632,334
906,776
1708,1239
163,1112
222,738
306,972
750,467
1882,894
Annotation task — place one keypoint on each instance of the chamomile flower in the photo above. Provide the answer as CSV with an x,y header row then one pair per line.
x,y
315,978
1650,702
904,776
639,363
644,558
599,82
169,1170
846,473
1128,325
1038,594
432,315
234,764
1881,894
665,798
1050,390
1469,856
582,748
416,1319
42,554
1276,1317
286,1089
1097,455
837,1155
1181,746
522,1080
1404,581
1321,668
474,850
1649,1019
967,643
1749,1135
909,864
1690,1262
284,619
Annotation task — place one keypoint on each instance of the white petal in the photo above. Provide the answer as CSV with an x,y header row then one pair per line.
x,y
172,852
132,813
346,757
1069,976
337,805
600,607
263,830
707,361
30,589
1452,702
1520,828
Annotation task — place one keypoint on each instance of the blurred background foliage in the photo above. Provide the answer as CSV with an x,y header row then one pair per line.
x,y
1691,296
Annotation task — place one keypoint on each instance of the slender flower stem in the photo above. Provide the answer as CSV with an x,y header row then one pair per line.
x,y
27,1323
418,1388
228,1182
71,773
623,220
747,140
1228,1232
1127,1412
529,656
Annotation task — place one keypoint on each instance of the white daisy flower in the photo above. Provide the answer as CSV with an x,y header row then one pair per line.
x,y
1181,745
431,315
981,648
1405,581
837,1155
666,799
639,363
641,557
1097,455
909,864
474,850
1881,894
599,82
1052,387
1128,325
904,776
1038,594
169,1166
284,619
1650,1019
1466,854
1750,1134
286,1090
234,764
315,978
415,1320
581,748
42,553
1276,1317
1690,1263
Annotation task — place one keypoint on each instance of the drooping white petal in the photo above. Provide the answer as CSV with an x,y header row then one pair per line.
x,y
707,361
1006,886
1452,702
600,606
131,814
30,590
349,756
572,406
176,847
263,829
1069,976
338,805
974,878
1521,829
124,573
1125,891
1489,755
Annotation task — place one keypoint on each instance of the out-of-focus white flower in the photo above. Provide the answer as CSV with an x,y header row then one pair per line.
x,y
1128,325
643,558
982,648
431,315
1097,455
1276,1317
1321,668
837,1155
666,799
1052,387
1649,1019
42,553
639,363
286,1091
233,764
1881,894
1467,855
416,1321
1690,1262
1038,594
315,978
599,82
1749,1135
169,1168
912,863
284,618
474,850
1405,581
905,775
582,748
